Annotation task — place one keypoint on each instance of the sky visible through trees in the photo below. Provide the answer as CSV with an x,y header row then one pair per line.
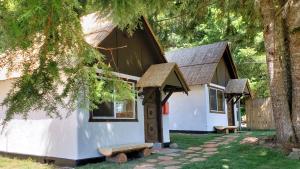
x,y
193,23
63,59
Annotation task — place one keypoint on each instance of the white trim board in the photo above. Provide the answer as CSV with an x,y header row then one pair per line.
x,y
216,86
122,75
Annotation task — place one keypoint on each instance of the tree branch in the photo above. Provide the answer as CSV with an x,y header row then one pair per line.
x,y
110,49
283,7
174,17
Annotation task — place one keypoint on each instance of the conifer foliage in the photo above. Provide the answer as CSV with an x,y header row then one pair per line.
x,y
44,41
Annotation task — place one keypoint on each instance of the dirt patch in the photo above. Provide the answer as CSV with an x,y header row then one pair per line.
x,y
250,140
269,141
258,140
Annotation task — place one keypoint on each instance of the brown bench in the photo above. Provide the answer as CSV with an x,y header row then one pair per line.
x,y
118,153
226,129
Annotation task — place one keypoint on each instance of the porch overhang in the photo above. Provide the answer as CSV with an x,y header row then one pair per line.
x,y
165,76
237,88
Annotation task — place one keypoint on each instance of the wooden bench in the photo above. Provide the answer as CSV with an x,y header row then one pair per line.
x,y
118,153
226,129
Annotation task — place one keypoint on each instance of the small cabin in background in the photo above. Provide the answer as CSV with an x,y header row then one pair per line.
x,y
215,89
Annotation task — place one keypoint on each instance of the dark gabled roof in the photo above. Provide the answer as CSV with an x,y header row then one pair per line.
x,y
198,64
237,86
157,76
97,26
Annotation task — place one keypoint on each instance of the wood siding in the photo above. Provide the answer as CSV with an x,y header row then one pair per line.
x,y
221,75
259,114
230,114
134,59
152,117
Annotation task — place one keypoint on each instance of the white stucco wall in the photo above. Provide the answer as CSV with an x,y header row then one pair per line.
x,y
71,138
92,135
166,130
215,119
192,112
236,111
39,135
188,112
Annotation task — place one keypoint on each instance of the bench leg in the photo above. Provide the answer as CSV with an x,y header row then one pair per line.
x,y
145,152
119,158
226,131
220,131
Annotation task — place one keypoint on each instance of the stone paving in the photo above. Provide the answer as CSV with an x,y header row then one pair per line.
x,y
175,159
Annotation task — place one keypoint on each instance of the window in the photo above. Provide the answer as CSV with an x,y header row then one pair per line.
x,y
213,100
116,110
220,95
124,109
216,100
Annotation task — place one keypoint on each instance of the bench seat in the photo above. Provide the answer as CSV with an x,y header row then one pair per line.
x,y
109,151
226,129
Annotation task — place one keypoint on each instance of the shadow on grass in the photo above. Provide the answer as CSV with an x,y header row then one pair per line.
x,y
237,156
183,140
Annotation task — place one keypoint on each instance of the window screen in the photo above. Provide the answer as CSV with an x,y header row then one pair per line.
x,y
213,100
121,109
124,109
104,110
216,100
220,100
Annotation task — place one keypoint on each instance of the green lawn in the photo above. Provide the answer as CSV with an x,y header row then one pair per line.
x,y
189,140
232,156
183,140
237,156
7,163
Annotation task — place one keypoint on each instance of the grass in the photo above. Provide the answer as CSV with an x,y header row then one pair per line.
x,y
108,165
232,156
8,163
190,140
237,156
183,140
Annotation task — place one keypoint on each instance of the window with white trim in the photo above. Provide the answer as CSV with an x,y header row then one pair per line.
x,y
216,100
118,109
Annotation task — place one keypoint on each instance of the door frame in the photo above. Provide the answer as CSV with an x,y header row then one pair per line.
x,y
231,104
158,115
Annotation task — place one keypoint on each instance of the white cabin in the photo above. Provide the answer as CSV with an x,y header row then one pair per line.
x,y
208,69
74,140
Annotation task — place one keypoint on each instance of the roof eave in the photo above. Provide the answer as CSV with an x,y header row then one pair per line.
x,y
184,85
156,42
227,49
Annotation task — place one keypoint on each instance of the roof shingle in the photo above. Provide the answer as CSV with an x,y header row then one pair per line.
x,y
237,86
96,27
157,75
198,64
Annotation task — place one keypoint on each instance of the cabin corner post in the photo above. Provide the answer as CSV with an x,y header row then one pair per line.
x,y
160,118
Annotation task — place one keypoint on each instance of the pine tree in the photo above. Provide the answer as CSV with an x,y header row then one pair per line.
x,y
57,64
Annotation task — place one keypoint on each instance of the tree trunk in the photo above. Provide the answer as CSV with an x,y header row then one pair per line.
x,y
293,23
273,37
